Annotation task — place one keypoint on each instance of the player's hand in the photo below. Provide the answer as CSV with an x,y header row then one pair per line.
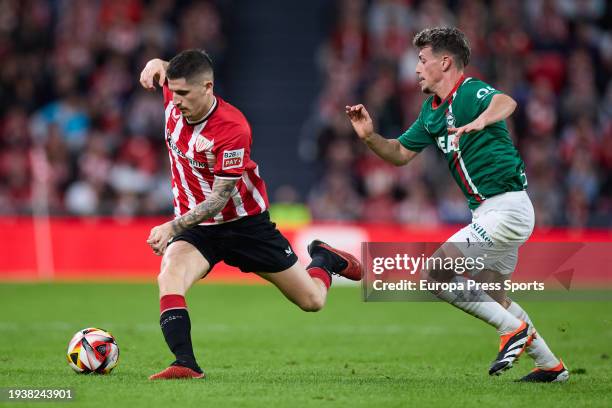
x,y
154,71
159,237
361,121
474,126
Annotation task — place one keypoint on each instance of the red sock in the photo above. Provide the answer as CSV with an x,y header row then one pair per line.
x,y
169,302
320,273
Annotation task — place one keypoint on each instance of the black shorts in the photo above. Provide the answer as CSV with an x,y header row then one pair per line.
x,y
252,244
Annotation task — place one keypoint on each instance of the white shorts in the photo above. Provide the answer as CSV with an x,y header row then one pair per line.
x,y
500,225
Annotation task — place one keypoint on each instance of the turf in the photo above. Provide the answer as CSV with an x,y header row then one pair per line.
x,y
259,350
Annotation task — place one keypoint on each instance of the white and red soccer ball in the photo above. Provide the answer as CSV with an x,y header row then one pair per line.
x,y
93,350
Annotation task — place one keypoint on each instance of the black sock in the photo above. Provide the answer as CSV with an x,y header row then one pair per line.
x,y
176,326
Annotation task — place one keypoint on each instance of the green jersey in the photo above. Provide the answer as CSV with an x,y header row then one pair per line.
x,y
485,163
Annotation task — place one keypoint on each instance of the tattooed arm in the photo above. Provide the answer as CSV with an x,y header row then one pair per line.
x,y
221,193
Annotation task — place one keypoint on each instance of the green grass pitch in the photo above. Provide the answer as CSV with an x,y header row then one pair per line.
x,y
260,350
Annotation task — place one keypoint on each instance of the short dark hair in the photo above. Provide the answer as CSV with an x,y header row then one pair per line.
x,y
449,39
188,64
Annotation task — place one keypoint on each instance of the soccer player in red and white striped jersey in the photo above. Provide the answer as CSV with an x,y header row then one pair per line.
x,y
220,206
216,146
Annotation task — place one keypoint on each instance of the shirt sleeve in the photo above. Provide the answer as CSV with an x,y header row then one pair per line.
x,y
233,154
482,94
416,138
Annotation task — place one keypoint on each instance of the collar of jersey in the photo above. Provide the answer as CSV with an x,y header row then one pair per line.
x,y
208,114
434,102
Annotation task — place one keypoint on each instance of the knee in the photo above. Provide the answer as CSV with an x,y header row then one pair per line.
x,y
430,275
503,300
311,303
172,270
425,274
437,275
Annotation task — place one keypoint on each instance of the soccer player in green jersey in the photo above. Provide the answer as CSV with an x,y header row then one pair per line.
x,y
465,119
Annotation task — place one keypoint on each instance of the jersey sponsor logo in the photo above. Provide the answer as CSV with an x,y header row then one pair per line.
x,y
203,143
444,143
482,92
175,149
288,251
232,159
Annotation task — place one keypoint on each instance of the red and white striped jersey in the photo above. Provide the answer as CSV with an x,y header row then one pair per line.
x,y
218,146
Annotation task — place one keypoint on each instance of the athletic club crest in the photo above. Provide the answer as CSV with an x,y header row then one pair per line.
x,y
203,143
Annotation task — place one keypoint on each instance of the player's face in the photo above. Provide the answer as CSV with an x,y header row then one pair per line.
x,y
193,98
429,69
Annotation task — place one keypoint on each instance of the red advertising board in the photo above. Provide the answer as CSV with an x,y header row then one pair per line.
x,y
109,248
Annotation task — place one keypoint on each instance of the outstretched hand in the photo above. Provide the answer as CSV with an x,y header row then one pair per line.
x,y
361,120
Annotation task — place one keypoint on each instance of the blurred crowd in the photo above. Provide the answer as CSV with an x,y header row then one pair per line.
x,y
553,57
78,135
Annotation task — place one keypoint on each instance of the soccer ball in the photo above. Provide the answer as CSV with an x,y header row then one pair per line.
x,y
92,350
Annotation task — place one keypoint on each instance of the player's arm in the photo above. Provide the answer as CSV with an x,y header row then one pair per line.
x,y
390,150
154,71
214,203
221,193
500,108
